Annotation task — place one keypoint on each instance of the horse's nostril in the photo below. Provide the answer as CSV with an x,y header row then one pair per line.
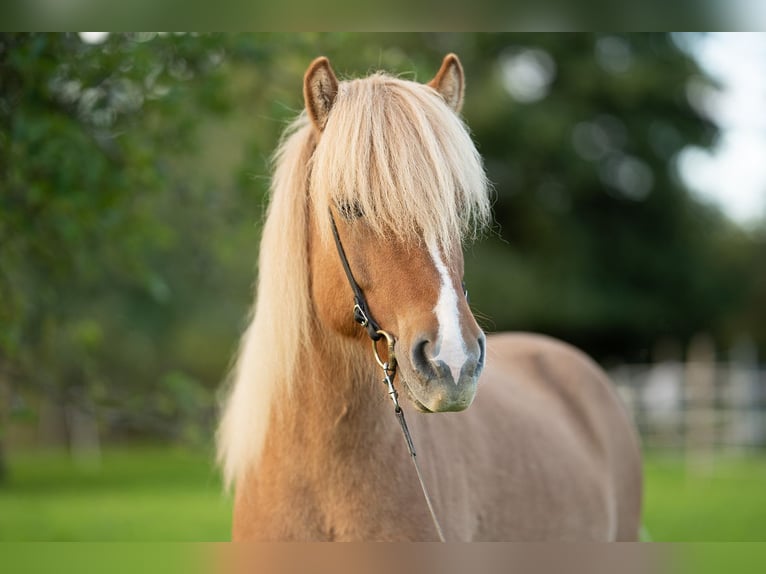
x,y
453,363
420,359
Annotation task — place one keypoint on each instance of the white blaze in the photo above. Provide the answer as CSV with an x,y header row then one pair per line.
x,y
449,343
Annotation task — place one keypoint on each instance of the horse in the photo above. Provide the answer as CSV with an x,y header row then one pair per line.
x,y
376,186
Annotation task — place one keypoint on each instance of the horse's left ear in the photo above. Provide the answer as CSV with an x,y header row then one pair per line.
x,y
320,86
450,82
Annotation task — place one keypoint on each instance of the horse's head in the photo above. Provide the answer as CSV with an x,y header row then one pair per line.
x,y
395,168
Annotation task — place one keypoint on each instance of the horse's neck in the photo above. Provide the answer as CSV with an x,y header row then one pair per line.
x,y
336,408
333,456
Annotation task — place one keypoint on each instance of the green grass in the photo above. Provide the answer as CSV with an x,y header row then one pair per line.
x,y
167,494
724,502
137,494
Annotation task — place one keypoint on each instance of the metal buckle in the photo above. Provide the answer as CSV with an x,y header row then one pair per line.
x,y
360,316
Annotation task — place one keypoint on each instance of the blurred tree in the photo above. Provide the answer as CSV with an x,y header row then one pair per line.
x,y
600,242
85,129
133,175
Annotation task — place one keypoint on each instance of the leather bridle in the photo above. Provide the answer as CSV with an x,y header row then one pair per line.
x,y
363,317
362,313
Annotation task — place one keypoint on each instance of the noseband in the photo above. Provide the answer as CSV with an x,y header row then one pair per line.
x,y
363,316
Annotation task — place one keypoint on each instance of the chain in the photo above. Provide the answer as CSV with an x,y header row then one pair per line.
x,y
389,373
364,318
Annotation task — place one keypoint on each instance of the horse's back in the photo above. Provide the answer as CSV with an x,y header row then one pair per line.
x,y
552,452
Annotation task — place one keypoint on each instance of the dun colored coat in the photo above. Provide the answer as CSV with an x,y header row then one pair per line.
x,y
520,437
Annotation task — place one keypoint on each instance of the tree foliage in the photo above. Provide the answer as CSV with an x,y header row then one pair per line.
x,y
608,248
133,177
81,177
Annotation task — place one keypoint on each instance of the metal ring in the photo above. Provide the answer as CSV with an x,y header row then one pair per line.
x,y
389,365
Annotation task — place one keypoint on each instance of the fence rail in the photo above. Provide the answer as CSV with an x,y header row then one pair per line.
x,y
696,406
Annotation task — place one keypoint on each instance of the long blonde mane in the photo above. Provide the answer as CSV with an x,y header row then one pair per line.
x,y
391,150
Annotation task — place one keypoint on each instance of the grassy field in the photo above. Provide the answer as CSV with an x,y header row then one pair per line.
x,y
723,502
141,494
148,494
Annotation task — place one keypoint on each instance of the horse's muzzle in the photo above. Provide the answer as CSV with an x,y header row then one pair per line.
x,y
438,384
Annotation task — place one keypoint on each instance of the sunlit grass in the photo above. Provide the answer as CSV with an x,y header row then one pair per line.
x,y
136,494
167,494
723,499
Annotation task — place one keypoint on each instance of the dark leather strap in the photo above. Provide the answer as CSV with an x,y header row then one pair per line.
x,y
362,313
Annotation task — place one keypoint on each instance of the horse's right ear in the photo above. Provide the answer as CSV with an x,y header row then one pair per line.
x,y
320,86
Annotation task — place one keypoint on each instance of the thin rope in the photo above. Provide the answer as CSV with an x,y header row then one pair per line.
x,y
408,439
363,316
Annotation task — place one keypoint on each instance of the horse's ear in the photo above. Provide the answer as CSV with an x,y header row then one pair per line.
x,y
450,82
320,86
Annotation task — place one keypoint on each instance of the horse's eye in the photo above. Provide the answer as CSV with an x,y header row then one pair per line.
x,y
350,210
465,291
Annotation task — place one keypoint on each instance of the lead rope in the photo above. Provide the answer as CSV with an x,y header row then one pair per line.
x,y
363,316
389,372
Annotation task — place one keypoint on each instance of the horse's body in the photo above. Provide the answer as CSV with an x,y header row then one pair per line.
x,y
545,452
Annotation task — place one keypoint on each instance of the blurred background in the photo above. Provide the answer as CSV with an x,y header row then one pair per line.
x,y
630,205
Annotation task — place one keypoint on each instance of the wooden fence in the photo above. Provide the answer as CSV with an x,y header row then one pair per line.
x,y
698,406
